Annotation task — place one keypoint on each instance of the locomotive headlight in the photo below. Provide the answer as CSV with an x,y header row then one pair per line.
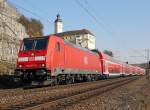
x,y
43,65
20,66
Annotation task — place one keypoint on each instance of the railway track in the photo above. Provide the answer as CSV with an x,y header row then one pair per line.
x,y
52,98
28,90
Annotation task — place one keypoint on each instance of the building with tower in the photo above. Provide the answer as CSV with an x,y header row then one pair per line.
x,y
82,37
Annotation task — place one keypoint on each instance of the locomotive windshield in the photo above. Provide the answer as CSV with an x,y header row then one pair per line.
x,y
34,44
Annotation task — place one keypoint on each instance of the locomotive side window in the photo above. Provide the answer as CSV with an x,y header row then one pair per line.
x,y
57,46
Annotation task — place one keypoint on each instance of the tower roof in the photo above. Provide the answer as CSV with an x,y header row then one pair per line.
x,y
58,19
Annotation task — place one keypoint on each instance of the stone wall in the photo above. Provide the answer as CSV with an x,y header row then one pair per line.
x,y
11,32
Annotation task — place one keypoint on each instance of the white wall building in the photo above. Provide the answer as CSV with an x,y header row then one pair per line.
x,y
82,37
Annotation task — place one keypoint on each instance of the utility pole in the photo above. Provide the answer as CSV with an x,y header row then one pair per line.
x,y
147,51
148,65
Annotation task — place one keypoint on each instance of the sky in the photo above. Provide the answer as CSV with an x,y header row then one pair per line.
x,y
122,26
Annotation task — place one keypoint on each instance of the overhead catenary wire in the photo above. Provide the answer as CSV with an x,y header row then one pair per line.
x,y
79,3
28,11
94,16
35,7
139,52
100,24
86,6
92,9
15,18
100,18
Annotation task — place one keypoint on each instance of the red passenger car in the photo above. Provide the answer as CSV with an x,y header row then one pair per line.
x,y
114,68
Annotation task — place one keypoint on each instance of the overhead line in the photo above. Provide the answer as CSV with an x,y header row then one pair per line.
x,y
33,13
96,19
35,7
93,16
107,26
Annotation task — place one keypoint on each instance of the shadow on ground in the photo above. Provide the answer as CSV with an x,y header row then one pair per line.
x,y
7,82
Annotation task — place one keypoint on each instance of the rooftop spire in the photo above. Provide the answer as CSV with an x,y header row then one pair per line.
x,y
58,24
58,18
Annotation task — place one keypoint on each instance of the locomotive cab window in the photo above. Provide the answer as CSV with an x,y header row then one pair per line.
x,y
57,46
34,44
40,44
27,45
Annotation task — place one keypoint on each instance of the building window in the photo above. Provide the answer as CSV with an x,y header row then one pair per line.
x,y
77,36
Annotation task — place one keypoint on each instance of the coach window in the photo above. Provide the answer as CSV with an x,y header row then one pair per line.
x,y
57,46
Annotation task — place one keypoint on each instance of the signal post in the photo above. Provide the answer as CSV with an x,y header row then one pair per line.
x,y
148,71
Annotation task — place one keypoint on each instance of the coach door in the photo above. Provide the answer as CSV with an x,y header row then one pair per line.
x,y
106,67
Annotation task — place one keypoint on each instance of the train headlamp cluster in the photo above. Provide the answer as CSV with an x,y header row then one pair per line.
x,y
43,65
20,66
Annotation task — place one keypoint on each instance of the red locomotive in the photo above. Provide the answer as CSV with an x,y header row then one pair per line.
x,y
51,59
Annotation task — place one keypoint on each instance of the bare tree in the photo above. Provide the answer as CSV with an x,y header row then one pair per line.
x,y
33,27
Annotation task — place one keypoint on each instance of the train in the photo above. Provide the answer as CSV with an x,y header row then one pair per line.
x,y
52,60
